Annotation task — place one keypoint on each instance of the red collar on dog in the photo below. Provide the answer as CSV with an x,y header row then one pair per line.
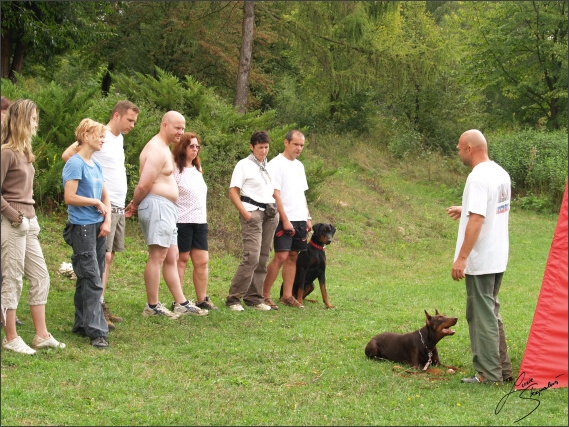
x,y
320,248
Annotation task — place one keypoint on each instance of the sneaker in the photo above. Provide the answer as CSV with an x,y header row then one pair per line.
x,y
159,310
188,309
110,317
271,304
262,307
18,345
100,342
236,307
39,342
206,304
291,302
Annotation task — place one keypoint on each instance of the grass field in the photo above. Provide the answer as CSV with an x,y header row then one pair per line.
x,y
390,261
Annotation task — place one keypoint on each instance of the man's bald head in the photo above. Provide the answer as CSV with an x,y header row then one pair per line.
x,y
472,147
172,127
172,116
475,139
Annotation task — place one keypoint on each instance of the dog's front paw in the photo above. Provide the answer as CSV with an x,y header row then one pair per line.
x,y
330,306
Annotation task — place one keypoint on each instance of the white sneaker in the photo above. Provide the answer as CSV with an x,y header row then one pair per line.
x,y
190,308
236,307
39,342
159,310
262,307
18,345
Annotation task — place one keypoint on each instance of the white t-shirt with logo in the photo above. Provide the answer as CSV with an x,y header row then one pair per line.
x,y
487,192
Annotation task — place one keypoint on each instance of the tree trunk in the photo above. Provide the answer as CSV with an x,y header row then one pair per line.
x,y
106,83
5,55
17,61
242,90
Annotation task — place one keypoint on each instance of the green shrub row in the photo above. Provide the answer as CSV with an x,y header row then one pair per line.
x,y
537,164
536,160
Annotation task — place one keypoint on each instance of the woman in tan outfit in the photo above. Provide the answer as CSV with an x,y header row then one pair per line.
x,y
21,251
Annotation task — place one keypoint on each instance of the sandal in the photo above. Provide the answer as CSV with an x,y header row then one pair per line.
x,y
291,302
271,304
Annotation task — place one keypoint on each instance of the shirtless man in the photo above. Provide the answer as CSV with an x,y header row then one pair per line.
x,y
154,200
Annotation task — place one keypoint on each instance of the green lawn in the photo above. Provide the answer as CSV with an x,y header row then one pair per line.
x,y
390,261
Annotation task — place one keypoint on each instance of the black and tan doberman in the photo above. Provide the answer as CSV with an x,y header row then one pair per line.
x,y
417,348
311,264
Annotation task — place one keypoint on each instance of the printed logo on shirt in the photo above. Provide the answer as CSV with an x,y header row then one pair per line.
x,y
503,199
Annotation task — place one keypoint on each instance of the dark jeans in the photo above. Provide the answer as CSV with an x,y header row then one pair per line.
x,y
88,261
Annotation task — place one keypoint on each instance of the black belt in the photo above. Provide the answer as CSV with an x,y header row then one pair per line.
x,y
253,202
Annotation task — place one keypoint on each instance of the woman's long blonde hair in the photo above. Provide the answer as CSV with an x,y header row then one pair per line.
x,y
17,129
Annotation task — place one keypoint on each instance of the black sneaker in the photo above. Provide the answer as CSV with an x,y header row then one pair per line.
x,y
100,342
206,304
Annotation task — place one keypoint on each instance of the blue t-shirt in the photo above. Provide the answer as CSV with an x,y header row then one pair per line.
x,y
90,185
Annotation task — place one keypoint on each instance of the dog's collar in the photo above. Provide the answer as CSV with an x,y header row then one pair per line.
x,y
320,248
428,351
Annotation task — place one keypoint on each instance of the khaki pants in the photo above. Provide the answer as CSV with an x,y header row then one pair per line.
x,y
22,254
247,283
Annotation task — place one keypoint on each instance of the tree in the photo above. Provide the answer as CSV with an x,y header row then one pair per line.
x,y
516,52
44,29
242,90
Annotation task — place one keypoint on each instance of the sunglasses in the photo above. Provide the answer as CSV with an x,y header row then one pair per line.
x,y
194,146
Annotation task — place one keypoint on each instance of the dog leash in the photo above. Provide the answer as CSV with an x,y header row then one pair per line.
x,y
430,353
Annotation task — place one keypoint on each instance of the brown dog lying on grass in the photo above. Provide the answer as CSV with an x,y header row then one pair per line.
x,y
417,348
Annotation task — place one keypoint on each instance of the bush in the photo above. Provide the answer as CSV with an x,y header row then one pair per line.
x,y
537,164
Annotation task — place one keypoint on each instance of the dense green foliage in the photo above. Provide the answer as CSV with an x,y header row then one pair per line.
x,y
408,76
432,69
537,164
537,160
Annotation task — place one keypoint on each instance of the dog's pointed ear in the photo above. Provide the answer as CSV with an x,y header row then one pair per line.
x,y
428,317
436,312
333,228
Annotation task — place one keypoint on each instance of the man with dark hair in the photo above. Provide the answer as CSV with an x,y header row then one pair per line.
x,y
112,159
251,191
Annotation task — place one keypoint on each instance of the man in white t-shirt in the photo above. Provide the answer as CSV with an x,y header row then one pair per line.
x,y
481,256
112,159
294,218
